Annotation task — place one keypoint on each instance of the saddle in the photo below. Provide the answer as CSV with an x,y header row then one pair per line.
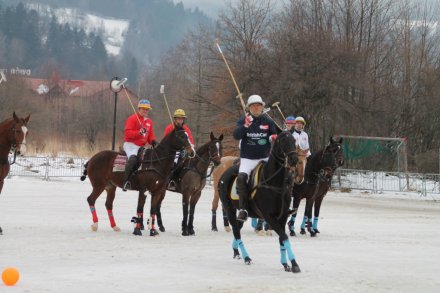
x,y
254,179
121,160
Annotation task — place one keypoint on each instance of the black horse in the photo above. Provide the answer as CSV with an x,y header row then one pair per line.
x,y
155,167
318,177
271,200
191,179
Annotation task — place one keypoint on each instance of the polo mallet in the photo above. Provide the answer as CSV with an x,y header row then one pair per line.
x,y
162,91
240,96
277,104
121,84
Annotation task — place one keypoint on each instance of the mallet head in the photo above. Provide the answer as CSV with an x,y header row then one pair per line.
x,y
162,89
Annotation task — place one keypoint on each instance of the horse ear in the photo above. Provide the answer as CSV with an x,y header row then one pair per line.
x,y
220,138
331,139
27,118
15,117
340,140
212,136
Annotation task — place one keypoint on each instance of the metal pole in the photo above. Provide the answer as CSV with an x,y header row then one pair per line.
x,y
114,121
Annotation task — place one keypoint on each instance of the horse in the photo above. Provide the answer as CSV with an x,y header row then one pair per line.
x,y
155,166
226,163
191,179
271,197
13,133
318,176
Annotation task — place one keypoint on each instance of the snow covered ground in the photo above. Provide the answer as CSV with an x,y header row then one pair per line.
x,y
368,243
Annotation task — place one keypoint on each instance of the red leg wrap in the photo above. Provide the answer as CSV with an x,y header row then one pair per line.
x,y
111,218
94,216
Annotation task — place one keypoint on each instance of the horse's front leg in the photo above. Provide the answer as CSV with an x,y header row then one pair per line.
x,y
159,214
192,207
156,199
295,204
185,206
317,208
307,220
285,248
111,192
139,219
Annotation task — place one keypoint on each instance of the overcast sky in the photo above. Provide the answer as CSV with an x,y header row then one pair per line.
x,y
210,7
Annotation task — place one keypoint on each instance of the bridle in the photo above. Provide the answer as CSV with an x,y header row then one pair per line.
x,y
14,143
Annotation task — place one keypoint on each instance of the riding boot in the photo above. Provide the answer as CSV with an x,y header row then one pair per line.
x,y
129,169
243,193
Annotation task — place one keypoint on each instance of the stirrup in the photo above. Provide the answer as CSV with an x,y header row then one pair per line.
x,y
242,215
126,186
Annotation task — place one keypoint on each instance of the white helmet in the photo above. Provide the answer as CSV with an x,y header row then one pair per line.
x,y
300,119
255,99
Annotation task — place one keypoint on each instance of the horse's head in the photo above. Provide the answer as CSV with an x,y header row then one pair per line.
x,y
215,149
18,133
332,158
284,149
181,141
301,165
335,147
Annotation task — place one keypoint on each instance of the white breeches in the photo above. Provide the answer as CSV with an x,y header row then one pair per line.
x,y
247,165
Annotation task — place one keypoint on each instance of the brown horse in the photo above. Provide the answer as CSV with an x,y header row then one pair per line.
x,y
155,167
191,179
227,162
13,133
318,176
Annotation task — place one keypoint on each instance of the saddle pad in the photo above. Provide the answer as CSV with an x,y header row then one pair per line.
x,y
253,182
255,178
119,163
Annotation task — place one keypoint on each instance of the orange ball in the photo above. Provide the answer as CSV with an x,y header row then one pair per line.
x,y
10,276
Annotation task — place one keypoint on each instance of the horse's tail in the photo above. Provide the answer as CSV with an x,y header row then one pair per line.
x,y
83,177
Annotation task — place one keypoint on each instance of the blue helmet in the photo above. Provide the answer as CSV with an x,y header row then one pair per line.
x,y
145,104
289,120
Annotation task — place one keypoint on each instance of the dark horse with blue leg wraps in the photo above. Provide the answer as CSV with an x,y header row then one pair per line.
x,y
270,197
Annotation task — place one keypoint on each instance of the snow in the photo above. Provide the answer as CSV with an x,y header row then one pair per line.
x,y
368,243
111,30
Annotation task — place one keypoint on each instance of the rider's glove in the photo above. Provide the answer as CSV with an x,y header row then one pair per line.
x,y
142,131
248,121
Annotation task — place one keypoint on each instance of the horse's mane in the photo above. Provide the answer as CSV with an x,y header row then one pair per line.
x,y
312,161
203,148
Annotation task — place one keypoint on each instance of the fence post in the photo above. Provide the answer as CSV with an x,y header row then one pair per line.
x,y
46,175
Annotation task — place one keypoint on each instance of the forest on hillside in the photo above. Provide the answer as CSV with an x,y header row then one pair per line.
x,y
358,67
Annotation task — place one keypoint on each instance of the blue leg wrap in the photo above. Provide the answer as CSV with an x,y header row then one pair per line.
x,y
283,253
254,222
315,223
293,218
290,253
244,253
303,224
234,244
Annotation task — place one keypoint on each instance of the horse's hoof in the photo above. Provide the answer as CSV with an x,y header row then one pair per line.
x,y
137,232
292,233
236,254
227,228
162,229
317,231
295,267
214,229
259,232
269,233
303,231
287,268
142,226
1,231
191,232
153,233
116,229
185,233
247,260
313,234
94,227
